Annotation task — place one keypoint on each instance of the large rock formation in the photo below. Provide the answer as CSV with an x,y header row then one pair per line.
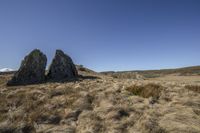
x,y
62,67
32,69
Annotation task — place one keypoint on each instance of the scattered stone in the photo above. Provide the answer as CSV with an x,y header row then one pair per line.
x,y
7,130
23,128
52,119
118,114
32,69
62,67
122,113
73,115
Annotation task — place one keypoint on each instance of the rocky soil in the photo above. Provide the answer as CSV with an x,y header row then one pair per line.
x,y
100,104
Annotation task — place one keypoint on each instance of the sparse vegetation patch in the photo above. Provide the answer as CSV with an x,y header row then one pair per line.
x,y
195,88
103,104
146,91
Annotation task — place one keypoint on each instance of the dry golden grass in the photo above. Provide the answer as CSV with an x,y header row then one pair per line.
x,y
187,71
195,88
146,91
103,104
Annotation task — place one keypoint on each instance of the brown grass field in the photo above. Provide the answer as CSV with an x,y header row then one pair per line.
x,y
165,103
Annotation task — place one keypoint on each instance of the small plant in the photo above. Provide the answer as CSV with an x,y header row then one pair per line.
x,y
151,75
54,93
146,91
82,69
195,88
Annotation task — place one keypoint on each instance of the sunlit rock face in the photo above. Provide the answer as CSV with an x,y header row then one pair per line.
x,y
32,69
62,67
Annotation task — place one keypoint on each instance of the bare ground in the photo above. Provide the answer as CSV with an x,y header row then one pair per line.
x,y
101,105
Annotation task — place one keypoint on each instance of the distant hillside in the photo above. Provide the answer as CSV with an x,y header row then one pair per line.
x,y
186,71
81,70
6,70
9,72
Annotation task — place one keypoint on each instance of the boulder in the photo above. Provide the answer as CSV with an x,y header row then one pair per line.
x,y
62,67
32,69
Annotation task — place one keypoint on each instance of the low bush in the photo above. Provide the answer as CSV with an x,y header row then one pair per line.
x,y
151,75
195,88
146,91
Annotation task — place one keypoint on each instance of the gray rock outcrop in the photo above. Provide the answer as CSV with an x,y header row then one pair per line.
x,y
32,69
62,67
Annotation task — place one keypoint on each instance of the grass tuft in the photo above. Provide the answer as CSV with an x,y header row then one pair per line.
x,y
195,88
146,91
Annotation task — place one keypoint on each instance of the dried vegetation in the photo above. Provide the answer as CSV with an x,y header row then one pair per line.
x,y
101,105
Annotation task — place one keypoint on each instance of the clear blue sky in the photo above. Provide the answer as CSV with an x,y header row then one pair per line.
x,y
103,34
